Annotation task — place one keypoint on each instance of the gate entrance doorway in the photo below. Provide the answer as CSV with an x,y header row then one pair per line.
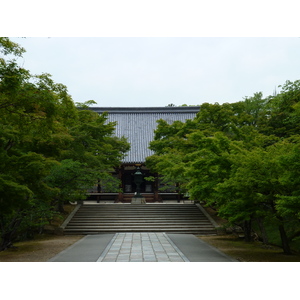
x,y
130,187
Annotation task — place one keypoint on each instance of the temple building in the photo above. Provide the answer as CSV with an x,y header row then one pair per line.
x,y
137,124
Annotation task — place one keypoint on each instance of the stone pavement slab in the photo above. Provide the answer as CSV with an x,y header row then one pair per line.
x,y
141,247
196,250
87,249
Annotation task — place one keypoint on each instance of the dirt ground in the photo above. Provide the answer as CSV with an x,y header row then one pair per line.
x,y
249,252
38,250
236,247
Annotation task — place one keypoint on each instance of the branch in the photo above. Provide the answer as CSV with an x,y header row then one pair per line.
x,y
9,145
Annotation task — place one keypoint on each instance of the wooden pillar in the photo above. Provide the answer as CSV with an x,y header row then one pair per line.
x,y
120,176
156,196
98,191
178,193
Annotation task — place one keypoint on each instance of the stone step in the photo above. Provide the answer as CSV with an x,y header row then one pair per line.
x,y
138,226
134,220
144,206
120,205
162,212
141,207
95,218
173,211
137,215
132,207
169,230
99,209
153,223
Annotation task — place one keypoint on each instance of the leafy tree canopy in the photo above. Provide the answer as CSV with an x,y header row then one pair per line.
x,y
51,150
240,158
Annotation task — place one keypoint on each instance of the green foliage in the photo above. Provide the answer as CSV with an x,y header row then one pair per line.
x,y
86,104
150,178
51,151
71,179
241,158
9,47
283,118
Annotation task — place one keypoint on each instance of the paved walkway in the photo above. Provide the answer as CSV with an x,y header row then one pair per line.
x,y
141,247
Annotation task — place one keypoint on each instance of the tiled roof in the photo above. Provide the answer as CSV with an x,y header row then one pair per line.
x,y
137,124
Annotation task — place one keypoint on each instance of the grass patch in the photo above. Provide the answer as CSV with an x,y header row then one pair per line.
x,y
249,252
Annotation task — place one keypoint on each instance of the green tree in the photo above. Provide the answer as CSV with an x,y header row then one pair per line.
x,y
70,179
50,150
170,146
21,186
249,193
241,158
283,115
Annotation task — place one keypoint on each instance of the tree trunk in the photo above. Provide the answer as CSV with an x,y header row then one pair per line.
x,y
58,205
283,235
247,230
7,235
6,241
60,208
263,231
284,240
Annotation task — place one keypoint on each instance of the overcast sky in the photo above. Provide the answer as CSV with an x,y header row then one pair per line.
x,y
129,71
142,53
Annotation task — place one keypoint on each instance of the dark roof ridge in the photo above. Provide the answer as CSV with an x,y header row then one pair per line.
x,y
166,109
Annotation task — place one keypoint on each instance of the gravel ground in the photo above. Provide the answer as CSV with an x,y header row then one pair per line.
x,y
249,252
39,250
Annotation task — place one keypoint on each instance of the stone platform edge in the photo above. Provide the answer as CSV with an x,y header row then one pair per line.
x,y
214,223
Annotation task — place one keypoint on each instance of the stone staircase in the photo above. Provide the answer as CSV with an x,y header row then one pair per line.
x,y
112,218
148,197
